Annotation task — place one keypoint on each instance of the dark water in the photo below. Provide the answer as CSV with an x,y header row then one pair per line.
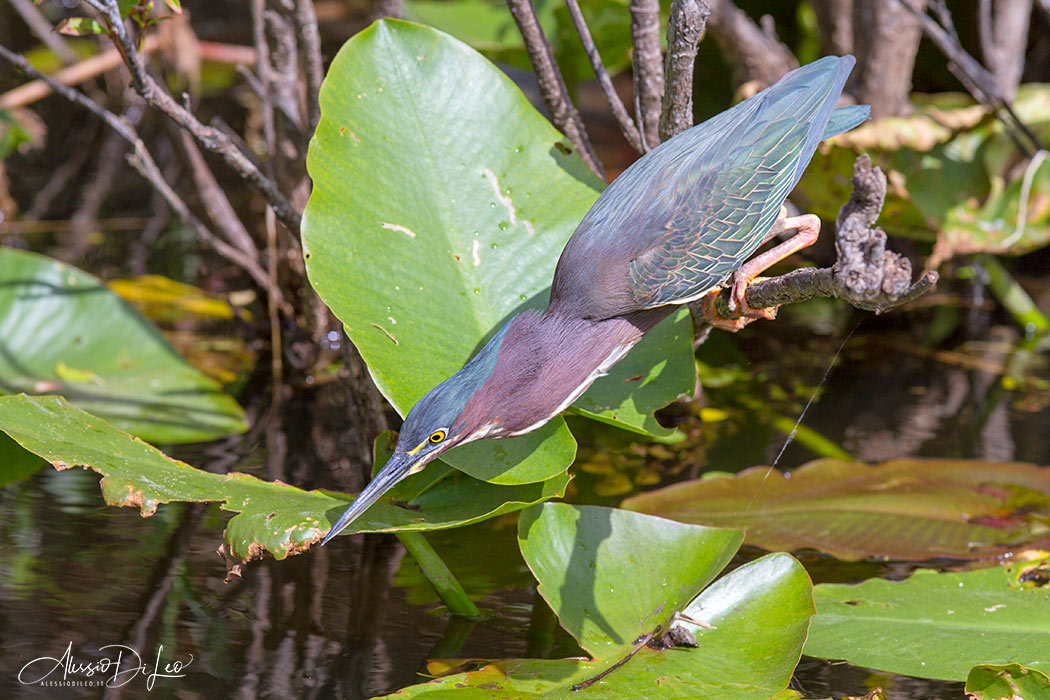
x,y
356,619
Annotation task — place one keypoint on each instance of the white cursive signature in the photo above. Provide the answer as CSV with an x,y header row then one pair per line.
x,y
120,667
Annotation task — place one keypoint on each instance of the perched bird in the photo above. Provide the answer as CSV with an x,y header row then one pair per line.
x,y
673,228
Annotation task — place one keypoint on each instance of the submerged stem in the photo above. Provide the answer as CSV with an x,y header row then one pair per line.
x,y
437,573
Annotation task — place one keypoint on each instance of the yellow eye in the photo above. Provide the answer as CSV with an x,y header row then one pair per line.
x,y
437,436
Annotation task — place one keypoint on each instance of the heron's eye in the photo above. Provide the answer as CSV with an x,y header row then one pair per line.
x,y
437,436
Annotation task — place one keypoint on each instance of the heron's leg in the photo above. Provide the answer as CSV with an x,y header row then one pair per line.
x,y
808,226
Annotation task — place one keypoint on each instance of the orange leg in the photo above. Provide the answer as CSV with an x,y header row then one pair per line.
x,y
808,226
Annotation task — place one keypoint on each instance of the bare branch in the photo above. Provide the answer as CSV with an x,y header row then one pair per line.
x,y
310,47
648,67
757,56
886,41
684,29
866,274
835,26
623,119
552,85
212,139
1004,37
143,162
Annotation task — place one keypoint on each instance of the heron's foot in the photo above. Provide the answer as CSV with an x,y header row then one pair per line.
x,y
738,301
712,316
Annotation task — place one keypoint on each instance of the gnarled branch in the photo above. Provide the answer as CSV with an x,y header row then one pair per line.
x,y
866,274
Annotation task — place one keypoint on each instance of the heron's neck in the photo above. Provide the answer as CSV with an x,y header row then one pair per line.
x,y
547,361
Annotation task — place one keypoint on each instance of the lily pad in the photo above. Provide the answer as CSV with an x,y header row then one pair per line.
x,y
609,579
905,509
271,516
1007,682
441,202
63,331
933,625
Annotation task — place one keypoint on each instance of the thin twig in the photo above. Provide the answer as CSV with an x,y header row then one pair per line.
x,y
639,644
623,119
552,85
684,29
310,46
143,162
212,139
648,66
981,84
214,199
36,90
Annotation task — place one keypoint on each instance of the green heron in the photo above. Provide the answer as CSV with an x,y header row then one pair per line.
x,y
671,229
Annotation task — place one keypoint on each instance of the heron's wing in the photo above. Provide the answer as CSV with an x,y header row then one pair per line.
x,y
710,202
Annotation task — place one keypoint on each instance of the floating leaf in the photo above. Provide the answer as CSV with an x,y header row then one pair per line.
x,y
272,516
906,509
63,332
1007,682
470,219
608,576
933,625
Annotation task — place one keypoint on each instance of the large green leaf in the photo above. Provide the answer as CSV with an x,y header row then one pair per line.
x,y
905,509
612,576
934,625
272,516
441,202
64,332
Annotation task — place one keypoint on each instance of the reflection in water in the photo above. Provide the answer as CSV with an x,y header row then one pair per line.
x,y
354,619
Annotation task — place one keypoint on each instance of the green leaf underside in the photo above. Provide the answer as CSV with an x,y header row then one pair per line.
x,y
906,509
608,577
272,516
1007,682
424,241
64,332
933,625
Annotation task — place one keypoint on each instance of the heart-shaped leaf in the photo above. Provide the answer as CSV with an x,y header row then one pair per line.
x,y
611,577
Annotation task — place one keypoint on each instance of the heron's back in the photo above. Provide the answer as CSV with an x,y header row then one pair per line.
x,y
683,217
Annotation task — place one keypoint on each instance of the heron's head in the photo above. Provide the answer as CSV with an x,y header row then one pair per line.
x,y
447,416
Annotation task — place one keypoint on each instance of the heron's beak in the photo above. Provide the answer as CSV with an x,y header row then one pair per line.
x,y
397,468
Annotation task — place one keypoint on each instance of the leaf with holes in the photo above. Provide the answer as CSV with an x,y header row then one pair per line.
x,y
441,202
271,516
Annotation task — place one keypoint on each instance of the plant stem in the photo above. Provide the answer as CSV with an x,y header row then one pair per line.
x,y
811,439
435,571
1013,297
